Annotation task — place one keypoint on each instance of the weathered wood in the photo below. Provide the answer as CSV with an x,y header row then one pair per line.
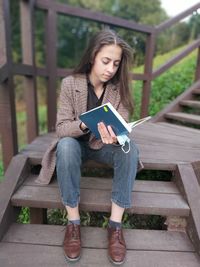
x,y
177,18
196,91
28,55
106,184
196,167
174,105
197,74
176,58
184,117
51,60
3,73
38,215
99,200
14,177
8,126
190,103
34,256
187,178
148,67
91,15
93,237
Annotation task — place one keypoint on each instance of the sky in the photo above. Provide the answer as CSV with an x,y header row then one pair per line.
x,y
174,7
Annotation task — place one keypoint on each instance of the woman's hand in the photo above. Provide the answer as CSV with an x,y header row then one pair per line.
x,y
107,134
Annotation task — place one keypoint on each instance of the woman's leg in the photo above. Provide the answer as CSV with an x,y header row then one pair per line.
x,y
125,169
68,163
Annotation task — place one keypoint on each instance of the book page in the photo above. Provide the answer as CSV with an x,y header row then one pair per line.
x,y
136,123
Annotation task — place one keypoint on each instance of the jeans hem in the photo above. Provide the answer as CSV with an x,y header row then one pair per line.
x,y
122,205
74,205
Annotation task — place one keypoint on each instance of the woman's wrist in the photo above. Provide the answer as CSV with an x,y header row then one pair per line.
x,y
83,127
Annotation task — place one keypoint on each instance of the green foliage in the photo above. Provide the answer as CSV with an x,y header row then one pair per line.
x,y
166,87
1,171
24,216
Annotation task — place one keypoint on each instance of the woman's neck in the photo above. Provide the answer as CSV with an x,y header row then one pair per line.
x,y
98,85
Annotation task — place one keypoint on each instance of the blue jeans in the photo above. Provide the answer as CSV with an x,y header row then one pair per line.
x,y
70,155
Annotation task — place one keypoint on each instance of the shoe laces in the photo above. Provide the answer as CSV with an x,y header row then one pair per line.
x,y
117,235
75,232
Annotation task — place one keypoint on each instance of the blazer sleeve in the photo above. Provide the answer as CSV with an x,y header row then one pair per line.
x,y
67,123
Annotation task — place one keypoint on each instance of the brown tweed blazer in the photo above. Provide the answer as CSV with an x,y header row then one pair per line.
x,y
72,103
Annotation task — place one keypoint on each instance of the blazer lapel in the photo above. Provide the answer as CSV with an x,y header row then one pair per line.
x,y
111,95
81,92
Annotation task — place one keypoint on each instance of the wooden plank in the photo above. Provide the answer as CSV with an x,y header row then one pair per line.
x,y
14,176
174,105
23,255
196,91
190,103
196,167
95,16
175,59
184,117
3,73
99,200
177,18
148,68
28,57
51,60
187,177
94,237
8,126
106,184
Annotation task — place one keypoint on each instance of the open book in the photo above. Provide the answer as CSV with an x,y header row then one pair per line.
x,y
107,114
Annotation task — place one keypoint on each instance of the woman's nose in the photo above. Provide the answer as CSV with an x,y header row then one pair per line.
x,y
111,67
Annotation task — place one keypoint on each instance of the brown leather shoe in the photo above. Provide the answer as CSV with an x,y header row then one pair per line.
x,y
116,246
72,242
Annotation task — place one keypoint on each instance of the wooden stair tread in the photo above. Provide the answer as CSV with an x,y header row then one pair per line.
x,y
153,201
196,91
184,117
106,184
145,248
95,237
190,103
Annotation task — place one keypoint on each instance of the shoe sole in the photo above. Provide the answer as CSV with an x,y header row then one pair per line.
x,y
72,259
116,262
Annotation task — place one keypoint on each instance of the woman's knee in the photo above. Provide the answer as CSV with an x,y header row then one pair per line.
x,y
68,147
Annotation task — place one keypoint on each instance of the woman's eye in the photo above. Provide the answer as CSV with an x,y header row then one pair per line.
x,y
105,62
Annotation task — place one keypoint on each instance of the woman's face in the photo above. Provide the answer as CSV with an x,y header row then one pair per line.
x,y
106,63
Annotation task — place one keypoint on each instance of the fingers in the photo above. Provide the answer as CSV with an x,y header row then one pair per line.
x,y
107,134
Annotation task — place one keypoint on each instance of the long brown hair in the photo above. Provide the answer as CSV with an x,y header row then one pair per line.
x,y
122,78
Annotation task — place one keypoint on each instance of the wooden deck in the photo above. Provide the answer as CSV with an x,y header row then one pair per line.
x,y
163,146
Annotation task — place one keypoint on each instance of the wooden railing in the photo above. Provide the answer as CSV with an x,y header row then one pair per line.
x,y
30,71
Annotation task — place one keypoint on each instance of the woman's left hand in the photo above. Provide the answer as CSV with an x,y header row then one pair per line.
x,y
107,134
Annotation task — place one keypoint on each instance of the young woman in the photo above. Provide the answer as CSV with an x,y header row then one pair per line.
x,y
101,77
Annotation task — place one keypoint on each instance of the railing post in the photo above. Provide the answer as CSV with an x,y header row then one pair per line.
x,y
148,69
51,65
197,74
28,55
8,127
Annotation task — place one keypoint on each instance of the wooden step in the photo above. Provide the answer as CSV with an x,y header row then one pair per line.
x,y
196,91
190,103
148,197
184,117
41,245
